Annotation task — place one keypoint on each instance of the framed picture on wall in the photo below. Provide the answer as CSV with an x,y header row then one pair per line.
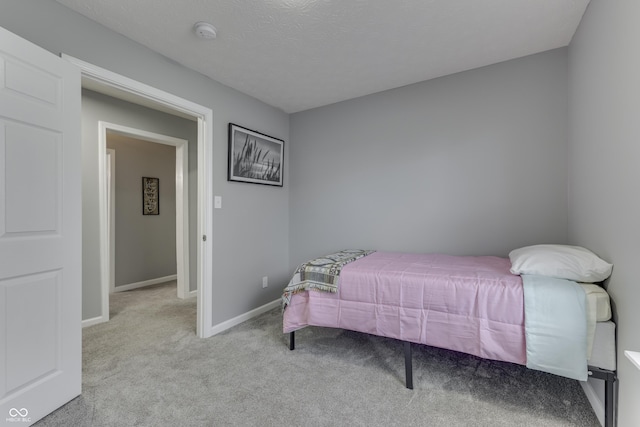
x,y
255,157
150,196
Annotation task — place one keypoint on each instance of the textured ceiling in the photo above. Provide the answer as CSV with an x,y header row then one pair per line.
x,y
300,54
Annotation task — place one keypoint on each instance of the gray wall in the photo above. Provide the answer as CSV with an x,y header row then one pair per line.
x,y
145,245
604,150
250,232
473,163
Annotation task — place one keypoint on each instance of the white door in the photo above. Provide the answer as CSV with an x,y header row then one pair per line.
x,y
40,231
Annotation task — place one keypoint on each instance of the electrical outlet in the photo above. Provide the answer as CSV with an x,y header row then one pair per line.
x,y
265,281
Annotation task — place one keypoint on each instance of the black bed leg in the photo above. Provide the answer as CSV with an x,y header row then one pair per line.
x,y
408,365
610,393
292,340
609,402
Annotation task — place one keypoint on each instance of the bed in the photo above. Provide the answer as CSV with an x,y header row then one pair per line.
x,y
539,307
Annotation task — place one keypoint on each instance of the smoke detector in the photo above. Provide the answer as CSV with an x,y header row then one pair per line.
x,y
204,30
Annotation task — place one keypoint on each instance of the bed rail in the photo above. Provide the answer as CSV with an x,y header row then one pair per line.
x,y
609,377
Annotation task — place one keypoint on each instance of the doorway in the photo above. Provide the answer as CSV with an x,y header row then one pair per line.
x,y
120,87
110,132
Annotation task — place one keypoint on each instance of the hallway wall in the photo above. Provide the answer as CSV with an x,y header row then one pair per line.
x,y
145,245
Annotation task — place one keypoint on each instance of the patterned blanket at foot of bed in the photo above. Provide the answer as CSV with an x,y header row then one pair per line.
x,y
321,273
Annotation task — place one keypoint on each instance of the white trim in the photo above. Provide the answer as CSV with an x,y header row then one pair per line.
x,y
221,327
594,400
145,283
634,357
204,116
182,218
103,236
193,294
111,222
205,227
182,196
92,321
149,93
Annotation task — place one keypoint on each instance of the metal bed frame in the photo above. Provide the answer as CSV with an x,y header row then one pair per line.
x,y
610,379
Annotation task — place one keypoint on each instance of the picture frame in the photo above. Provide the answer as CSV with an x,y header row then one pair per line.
x,y
150,196
255,157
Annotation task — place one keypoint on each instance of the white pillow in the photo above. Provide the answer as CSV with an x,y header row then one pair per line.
x,y
560,261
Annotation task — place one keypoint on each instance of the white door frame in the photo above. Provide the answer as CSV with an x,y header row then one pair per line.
x,y
182,205
204,115
111,214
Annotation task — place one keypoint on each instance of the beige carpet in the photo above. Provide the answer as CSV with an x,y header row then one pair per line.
x,y
146,367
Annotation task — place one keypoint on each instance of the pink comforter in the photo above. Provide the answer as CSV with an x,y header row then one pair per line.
x,y
468,304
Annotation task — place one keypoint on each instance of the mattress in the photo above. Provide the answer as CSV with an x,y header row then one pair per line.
x,y
604,346
598,302
469,304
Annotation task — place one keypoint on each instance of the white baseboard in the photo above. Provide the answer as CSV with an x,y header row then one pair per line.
x,y
192,294
594,400
216,329
220,327
145,283
93,321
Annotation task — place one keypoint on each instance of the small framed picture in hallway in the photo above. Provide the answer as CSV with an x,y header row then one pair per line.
x,y
150,196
